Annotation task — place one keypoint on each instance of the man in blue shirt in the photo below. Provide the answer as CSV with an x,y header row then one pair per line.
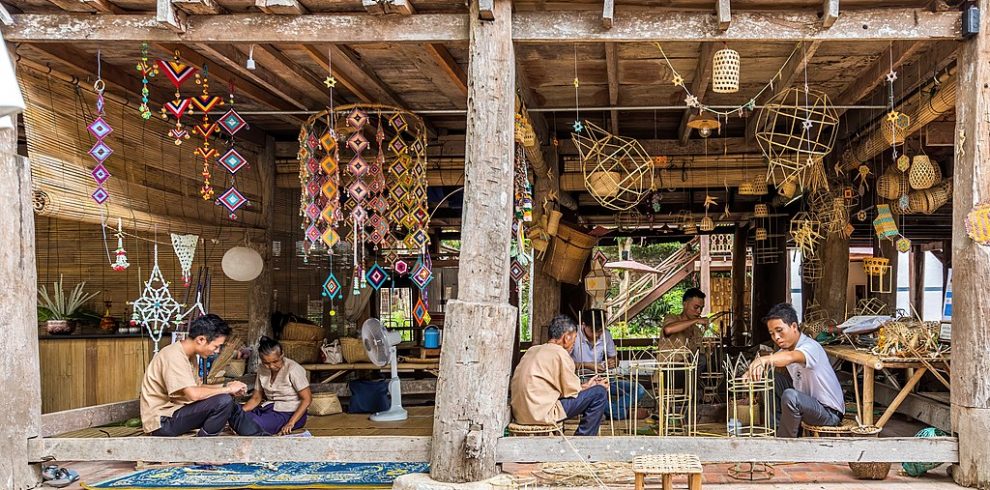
x,y
594,353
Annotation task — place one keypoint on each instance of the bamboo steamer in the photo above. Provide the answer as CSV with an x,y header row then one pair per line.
x,y
571,250
924,173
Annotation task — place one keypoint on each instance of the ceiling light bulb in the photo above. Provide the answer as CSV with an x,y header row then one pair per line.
x,y
250,61
705,132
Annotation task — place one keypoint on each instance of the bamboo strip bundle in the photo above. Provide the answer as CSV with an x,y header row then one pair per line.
x,y
907,338
227,354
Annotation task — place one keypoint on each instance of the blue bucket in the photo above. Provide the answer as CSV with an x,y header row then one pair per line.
x,y
431,337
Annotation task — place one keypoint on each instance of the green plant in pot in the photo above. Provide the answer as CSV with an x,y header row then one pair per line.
x,y
58,310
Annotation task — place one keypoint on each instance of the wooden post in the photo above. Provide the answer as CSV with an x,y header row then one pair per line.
x,y
885,248
971,263
706,270
260,302
479,325
770,286
546,289
917,281
738,285
20,407
831,291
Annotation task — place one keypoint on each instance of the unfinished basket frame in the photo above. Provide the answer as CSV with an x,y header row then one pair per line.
x,y
795,129
712,376
759,406
811,269
677,408
725,71
617,171
871,306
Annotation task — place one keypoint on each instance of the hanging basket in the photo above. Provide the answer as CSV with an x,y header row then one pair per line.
x,y
894,128
891,184
761,234
760,186
929,200
761,211
876,266
924,172
725,71
706,224
571,250
746,189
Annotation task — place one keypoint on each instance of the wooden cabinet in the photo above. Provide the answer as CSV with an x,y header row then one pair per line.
x,y
81,371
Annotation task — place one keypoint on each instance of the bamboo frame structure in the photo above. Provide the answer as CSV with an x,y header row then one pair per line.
x,y
757,418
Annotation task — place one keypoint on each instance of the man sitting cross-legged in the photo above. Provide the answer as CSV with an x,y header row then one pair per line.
x,y
174,402
545,389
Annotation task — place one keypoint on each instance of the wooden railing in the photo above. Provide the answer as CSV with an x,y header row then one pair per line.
x,y
632,299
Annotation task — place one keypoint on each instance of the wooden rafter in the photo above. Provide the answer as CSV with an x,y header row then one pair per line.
x,y
101,6
384,7
449,65
790,72
355,75
724,13
272,58
168,16
198,7
612,72
830,12
869,80
608,14
699,87
220,75
527,27
235,60
281,7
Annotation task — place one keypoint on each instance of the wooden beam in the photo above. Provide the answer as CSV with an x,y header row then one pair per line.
x,y
865,83
20,407
281,7
101,6
385,7
699,87
104,6
266,77
466,430
612,73
673,147
272,58
528,27
198,7
788,74
56,423
729,450
608,14
449,65
971,262
365,449
830,12
354,75
168,16
723,12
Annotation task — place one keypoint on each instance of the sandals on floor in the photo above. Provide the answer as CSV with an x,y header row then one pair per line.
x,y
63,478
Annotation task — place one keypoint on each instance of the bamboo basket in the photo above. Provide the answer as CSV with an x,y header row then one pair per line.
x,y
725,71
761,234
353,350
235,368
301,351
706,224
924,173
571,250
604,184
929,200
891,185
761,211
324,403
876,266
303,331
868,471
760,186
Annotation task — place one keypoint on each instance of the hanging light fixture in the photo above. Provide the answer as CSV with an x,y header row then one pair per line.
x,y
704,123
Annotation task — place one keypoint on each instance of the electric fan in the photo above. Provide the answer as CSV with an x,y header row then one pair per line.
x,y
380,344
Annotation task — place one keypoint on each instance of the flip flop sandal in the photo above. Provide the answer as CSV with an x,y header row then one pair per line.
x,y
63,478
49,472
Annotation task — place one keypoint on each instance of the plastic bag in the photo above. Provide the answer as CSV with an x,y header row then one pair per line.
x,y
331,351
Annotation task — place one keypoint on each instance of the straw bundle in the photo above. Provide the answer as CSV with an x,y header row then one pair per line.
x,y
907,338
227,354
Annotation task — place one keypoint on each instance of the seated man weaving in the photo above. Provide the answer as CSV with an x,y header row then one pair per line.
x,y
545,389
805,383
594,354
174,402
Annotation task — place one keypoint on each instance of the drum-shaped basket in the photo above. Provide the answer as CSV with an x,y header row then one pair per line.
x,y
893,131
876,266
761,211
746,189
890,185
929,200
303,331
760,186
301,351
868,471
324,403
761,234
725,71
353,350
924,173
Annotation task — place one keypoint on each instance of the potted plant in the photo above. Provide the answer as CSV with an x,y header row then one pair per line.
x,y
58,310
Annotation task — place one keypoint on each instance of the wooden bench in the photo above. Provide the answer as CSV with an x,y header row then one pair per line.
x,y
668,465
344,368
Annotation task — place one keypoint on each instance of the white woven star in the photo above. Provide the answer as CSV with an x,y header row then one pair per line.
x,y
891,76
692,101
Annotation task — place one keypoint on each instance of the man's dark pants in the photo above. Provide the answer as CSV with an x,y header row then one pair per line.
x,y
794,407
210,416
590,404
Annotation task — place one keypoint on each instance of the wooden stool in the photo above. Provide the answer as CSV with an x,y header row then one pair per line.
x,y
668,465
534,430
845,429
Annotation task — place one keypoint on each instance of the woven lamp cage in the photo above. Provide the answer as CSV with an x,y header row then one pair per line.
x,y
617,171
795,129
761,234
924,173
761,211
760,186
725,71
928,201
811,270
746,189
876,266
895,127
707,224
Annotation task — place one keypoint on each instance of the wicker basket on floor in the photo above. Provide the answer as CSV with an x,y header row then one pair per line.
x,y
868,471
301,351
235,368
324,403
353,350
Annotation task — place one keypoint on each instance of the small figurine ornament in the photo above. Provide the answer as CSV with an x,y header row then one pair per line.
x,y
120,263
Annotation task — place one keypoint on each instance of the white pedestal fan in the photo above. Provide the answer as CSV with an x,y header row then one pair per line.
x,y
380,344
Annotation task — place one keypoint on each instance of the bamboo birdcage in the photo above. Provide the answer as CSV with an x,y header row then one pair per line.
x,y
617,171
725,71
923,173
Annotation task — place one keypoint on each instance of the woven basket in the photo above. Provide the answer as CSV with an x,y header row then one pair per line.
x,y
603,184
760,186
706,224
725,71
235,368
353,350
924,172
876,266
761,211
868,471
301,351
929,200
324,403
571,250
787,188
303,331
761,234
890,185
893,132
746,189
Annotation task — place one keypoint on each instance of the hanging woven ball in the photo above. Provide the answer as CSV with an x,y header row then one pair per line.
x,y
796,129
725,71
924,172
617,171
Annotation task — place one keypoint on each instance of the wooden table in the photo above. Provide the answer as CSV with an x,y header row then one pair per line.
x,y
403,367
872,363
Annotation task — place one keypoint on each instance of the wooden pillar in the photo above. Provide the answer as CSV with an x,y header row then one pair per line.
x,y
885,248
471,407
770,286
260,293
20,407
546,289
971,262
738,285
705,272
831,290
917,281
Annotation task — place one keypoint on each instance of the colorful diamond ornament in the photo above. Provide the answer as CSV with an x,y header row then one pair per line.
x,y
331,287
232,122
376,276
232,161
420,313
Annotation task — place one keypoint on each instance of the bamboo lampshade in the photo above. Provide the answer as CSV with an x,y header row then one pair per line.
x,y
923,173
725,71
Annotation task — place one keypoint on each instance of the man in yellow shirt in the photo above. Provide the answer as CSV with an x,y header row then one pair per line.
x,y
173,402
545,390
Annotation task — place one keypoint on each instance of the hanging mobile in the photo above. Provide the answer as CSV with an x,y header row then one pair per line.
x,y
204,103
100,129
232,160
148,70
120,255
177,72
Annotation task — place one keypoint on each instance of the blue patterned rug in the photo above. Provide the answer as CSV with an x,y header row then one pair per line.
x,y
265,476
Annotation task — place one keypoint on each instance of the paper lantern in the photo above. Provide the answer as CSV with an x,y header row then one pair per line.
x,y
242,264
725,71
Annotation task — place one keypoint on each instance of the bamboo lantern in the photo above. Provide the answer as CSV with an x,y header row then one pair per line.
x,y
746,189
725,71
617,171
795,129
707,224
894,128
760,186
761,211
929,200
924,173
761,234
596,285
750,412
